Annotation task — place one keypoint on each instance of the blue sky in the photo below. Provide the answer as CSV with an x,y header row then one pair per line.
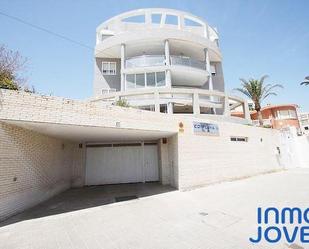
x,y
256,38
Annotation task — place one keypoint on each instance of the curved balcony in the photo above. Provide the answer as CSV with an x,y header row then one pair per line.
x,y
187,61
180,100
145,61
159,60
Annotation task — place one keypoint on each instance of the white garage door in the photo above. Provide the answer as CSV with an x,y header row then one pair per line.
x,y
111,164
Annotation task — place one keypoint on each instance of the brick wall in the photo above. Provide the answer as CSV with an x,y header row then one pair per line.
x,y
33,168
36,108
209,159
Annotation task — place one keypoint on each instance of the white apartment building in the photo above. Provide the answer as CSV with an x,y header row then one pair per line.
x,y
162,60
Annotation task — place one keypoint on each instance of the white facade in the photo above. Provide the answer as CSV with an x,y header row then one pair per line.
x,y
161,60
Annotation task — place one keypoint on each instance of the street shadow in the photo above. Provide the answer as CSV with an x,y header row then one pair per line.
x,y
87,197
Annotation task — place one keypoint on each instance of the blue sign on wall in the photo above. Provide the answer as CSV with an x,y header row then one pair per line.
x,y
205,129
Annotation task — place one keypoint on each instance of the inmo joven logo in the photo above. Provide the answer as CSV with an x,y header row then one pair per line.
x,y
286,224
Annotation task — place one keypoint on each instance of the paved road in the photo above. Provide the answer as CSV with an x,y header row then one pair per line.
x,y
214,217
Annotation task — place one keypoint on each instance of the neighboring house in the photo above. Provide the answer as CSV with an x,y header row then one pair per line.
x,y
161,60
304,122
275,116
278,116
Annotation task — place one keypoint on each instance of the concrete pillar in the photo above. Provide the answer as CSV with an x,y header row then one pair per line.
x,y
148,17
246,110
167,53
168,78
156,101
170,108
207,62
227,111
181,22
144,164
123,61
196,104
163,18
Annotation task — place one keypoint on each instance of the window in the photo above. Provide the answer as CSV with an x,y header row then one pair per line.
x,y
140,80
239,139
108,68
163,108
286,114
160,78
130,79
155,79
151,79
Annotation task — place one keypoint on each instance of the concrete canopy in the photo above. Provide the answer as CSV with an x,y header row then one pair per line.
x,y
83,133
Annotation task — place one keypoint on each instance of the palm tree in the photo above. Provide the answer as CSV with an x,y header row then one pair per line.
x,y
306,81
257,91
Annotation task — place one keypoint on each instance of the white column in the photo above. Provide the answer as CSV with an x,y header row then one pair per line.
x,y
196,104
168,78
207,61
170,108
123,61
156,101
148,17
143,160
227,111
167,52
163,18
181,22
168,63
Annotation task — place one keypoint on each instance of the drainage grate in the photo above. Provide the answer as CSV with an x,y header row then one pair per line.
x,y
125,198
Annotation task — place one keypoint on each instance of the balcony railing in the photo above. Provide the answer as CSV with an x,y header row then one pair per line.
x,y
187,61
145,61
159,60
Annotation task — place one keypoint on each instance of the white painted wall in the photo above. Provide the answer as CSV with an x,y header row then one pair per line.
x,y
296,148
209,159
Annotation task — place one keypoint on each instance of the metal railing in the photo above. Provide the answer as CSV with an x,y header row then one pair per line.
x,y
187,61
